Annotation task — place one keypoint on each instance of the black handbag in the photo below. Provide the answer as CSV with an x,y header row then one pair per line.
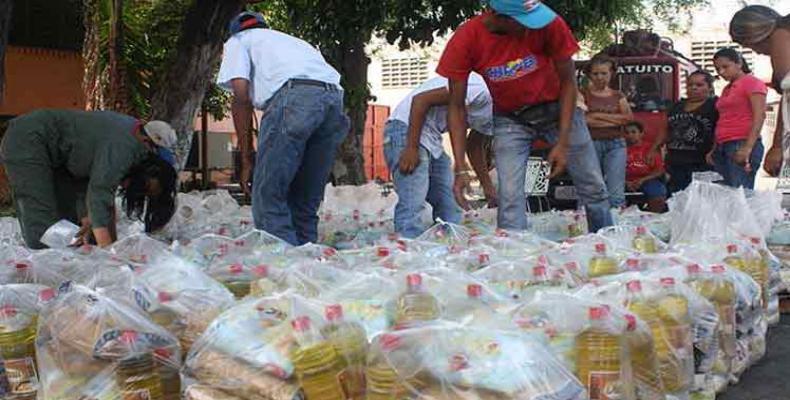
x,y
543,117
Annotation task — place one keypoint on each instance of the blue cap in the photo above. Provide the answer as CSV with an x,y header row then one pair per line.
x,y
531,13
168,156
246,20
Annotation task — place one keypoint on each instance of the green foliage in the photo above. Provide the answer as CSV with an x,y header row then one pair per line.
x,y
151,32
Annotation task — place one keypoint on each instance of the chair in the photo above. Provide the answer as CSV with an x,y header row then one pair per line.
x,y
536,182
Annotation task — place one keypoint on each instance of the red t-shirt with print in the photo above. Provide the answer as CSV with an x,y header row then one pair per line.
x,y
519,70
636,166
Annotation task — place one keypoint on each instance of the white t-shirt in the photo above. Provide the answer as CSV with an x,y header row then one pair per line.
x,y
268,58
479,111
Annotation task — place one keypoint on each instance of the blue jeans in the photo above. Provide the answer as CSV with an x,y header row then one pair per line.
x,y
512,142
301,128
734,174
612,154
432,180
654,189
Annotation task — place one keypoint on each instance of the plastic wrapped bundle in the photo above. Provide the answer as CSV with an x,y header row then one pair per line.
x,y
593,340
203,251
637,239
307,278
451,362
657,224
474,258
179,297
513,245
19,309
140,249
248,350
447,234
366,299
515,281
482,220
558,226
681,321
595,256
90,346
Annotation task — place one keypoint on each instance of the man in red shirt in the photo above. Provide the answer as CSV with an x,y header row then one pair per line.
x,y
524,51
640,175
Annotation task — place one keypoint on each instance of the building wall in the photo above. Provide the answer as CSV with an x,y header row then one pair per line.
x,y
41,78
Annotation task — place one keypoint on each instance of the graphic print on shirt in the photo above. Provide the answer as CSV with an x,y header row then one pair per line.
x,y
512,69
688,131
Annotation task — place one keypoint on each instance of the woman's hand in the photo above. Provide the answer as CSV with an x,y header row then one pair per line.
x,y
741,157
773,161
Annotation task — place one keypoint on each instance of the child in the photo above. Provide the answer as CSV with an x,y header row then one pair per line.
x,y
640,175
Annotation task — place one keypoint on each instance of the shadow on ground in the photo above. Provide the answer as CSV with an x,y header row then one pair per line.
x,y
770,378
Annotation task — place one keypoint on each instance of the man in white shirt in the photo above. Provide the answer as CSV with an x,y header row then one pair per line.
x,y
421,169
303,124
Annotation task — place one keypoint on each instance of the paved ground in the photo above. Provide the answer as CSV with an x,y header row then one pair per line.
x,y
770,379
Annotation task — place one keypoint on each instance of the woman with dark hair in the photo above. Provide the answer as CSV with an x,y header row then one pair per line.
x,y
767,32
65,164
692,125
607,112
738,151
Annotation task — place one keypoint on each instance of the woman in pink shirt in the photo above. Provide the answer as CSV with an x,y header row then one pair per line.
x,y
738,151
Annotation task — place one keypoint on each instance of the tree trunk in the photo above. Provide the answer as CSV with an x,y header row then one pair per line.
x,y
117,96
350,165
180,91
91,56
6,8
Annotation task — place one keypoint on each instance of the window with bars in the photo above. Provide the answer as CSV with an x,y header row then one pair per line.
x,y
702,53
403,72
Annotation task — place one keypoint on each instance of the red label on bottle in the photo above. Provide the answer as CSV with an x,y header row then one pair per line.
x,y
602,384
668,281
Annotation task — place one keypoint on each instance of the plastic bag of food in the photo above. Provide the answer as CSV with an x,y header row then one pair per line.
x,y
10,232
514,280
447,234
179,297
512,244
595,341
140,249
595,256
18,321
248,350
90,346
449,362
558,226
634,238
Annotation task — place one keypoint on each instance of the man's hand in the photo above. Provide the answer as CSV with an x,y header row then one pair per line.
x,y
491,195
461,187
558,159
409,160
85,233
773,161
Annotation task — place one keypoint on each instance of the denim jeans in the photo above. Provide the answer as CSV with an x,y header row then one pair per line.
x,y
512,143
680,175
734,174
432,180
301,128
612,154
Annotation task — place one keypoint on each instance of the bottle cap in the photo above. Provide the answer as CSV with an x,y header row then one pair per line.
x,y
46,294
634,286
632,264
164,297
236,269
474,290
572,266
333,312
301,324
717,269
389,341
539,271
631,322
8,311
693,269
641,230
483,259
414,280
383,252
21,265
668,281
598,313
600,248
261,271
732,248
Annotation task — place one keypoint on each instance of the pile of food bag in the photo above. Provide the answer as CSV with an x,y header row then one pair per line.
x,y
651,308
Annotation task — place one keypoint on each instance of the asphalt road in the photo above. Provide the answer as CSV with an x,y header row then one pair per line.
x,y
770,378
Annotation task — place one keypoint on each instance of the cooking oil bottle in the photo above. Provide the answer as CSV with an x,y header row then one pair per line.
x,y
18,350
677,372
721,292
643,242
137,378
237,283
351,343
598,357
415,304
647,355
317,364
383,381
601,264
760,267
